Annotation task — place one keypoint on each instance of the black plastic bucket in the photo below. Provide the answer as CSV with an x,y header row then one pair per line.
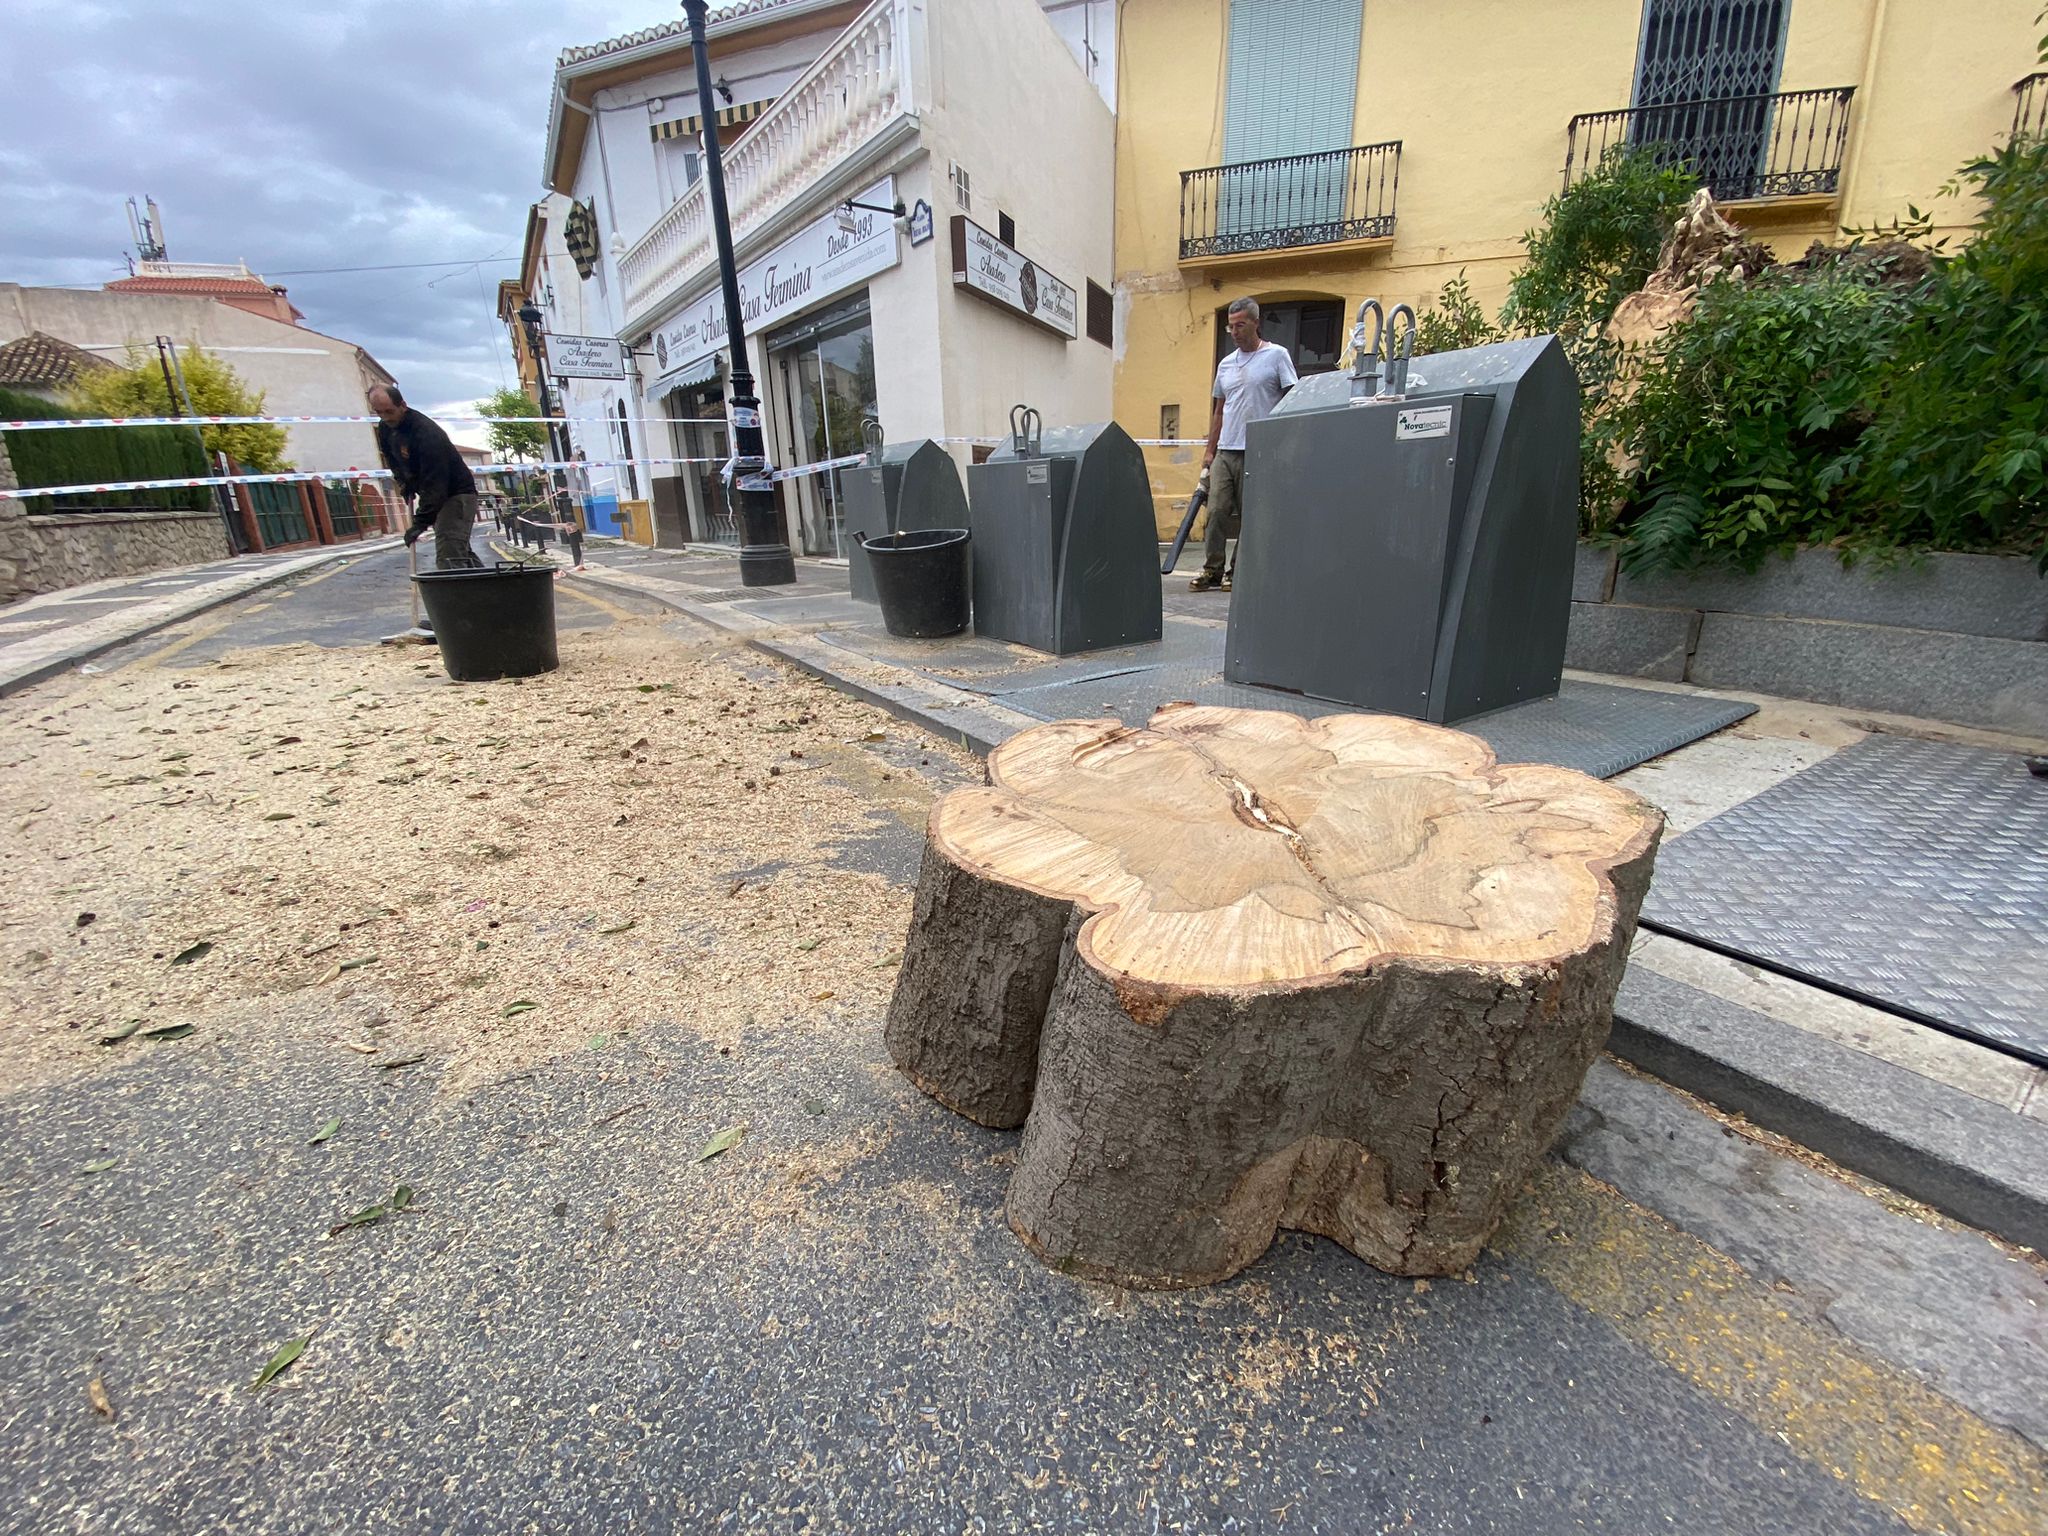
x,y
494,621
921,581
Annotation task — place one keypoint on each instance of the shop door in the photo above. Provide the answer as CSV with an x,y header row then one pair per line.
x,y
700,433
826,372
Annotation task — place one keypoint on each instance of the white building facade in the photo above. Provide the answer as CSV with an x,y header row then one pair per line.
x,y
990,121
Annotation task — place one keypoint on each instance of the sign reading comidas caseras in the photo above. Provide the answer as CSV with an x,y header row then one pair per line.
x,y
585,357
1000,273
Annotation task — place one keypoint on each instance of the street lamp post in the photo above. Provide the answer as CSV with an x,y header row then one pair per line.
x,y
765,560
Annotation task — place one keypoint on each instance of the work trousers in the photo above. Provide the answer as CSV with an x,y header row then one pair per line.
x,y
452,525
1225,509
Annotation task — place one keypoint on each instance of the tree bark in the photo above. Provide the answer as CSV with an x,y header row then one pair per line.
x,y
1240,971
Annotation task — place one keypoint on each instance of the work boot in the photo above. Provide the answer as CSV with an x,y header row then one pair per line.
x,y
1209,581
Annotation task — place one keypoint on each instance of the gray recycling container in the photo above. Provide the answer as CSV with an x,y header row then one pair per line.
x,y
1066,554
1413,556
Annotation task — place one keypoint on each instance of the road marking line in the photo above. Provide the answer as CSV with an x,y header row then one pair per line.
x,y
1890,1436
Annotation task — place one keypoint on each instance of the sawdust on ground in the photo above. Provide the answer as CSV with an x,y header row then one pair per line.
x,y
493,873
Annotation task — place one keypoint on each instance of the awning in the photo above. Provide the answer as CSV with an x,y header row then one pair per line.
x,y
690,375
728,117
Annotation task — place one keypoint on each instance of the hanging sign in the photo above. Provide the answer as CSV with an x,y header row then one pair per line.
x,y
983,265
815,263
921,222
585,357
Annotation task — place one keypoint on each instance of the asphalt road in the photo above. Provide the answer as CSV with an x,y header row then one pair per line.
x,y
577,1327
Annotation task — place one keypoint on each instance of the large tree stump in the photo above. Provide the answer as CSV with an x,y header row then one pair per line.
x,y
1238,971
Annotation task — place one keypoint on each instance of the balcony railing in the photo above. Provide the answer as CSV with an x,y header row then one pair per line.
x,y
1294,201
2030,107
837,108
1743,147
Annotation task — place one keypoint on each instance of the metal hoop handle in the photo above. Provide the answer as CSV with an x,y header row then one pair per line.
x,y
871,438
1025,431
1397,362
1365,348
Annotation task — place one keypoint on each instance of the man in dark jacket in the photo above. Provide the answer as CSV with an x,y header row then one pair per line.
x,y
426,466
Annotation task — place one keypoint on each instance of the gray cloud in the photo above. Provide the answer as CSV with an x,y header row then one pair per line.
x,y
290,137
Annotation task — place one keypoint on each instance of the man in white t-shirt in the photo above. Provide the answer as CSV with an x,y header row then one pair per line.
x,y
1250,380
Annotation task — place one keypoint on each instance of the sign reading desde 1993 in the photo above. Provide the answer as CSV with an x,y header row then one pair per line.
x,y
585,357
999,273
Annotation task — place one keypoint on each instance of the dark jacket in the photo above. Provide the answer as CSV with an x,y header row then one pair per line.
x,y
424,463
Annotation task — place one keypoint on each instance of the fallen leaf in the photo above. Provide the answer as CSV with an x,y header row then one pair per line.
x,y
169,1032
101,1166
724,1141
325,1132
285,1355
197,951
809,944
357,965
332,973
117,1036
874,736
620,927
402,1061
824,997
282,816
358,1047
401,1197
524,1005
889,962
814,1106
321,950
96,1393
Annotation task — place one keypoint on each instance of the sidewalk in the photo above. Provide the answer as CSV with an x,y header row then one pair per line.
x,y
1955,1122
42,636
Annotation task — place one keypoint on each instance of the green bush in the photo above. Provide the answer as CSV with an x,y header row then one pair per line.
x,y
1744,421
1957,452
88,455
1454,322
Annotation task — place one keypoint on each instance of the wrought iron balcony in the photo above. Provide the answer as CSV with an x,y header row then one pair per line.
x,y
1745,148
855,95
1329,198
2030,107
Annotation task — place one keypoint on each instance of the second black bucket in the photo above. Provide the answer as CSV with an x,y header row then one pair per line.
x,y
921,581
493,621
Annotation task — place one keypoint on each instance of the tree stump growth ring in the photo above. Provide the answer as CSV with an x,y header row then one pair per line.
x,y
1237,971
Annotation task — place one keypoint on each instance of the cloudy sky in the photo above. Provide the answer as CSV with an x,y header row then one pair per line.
x,y
298,139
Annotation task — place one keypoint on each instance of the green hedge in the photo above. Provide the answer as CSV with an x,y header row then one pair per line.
x,y
84,455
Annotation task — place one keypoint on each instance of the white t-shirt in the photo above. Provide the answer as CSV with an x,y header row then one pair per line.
x,y
1250,384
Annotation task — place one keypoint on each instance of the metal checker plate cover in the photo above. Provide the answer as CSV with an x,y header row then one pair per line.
x,y
1912,874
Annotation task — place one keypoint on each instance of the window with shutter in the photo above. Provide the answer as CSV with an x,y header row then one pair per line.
x,y
1101,314
1291,89
1705,73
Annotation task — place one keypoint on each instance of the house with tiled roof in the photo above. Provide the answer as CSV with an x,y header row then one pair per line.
x,y
235,285
301,371
45,366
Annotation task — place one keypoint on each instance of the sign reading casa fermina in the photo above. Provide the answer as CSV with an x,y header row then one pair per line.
x,y
999,273
815,263
585,357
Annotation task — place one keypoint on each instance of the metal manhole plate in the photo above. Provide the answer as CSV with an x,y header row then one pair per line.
x,y
1911,874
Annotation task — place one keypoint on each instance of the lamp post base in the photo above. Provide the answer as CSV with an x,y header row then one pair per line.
x,y
766,565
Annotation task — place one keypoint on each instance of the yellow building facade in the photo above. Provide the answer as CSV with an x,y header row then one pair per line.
x,y
1462,120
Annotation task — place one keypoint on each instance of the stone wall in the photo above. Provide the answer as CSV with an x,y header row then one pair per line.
x,y
1959,638
42,554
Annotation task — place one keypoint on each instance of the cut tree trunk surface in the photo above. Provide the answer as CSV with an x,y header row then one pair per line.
x,y
1239,970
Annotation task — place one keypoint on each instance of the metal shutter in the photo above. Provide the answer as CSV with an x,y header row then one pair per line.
x,y
1292,85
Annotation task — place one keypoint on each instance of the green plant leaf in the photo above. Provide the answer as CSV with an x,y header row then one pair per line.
x,y
194,952
524,1005
169,1032
620,927
101,1166
723,1142
280,1361
325,1133
117,1035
